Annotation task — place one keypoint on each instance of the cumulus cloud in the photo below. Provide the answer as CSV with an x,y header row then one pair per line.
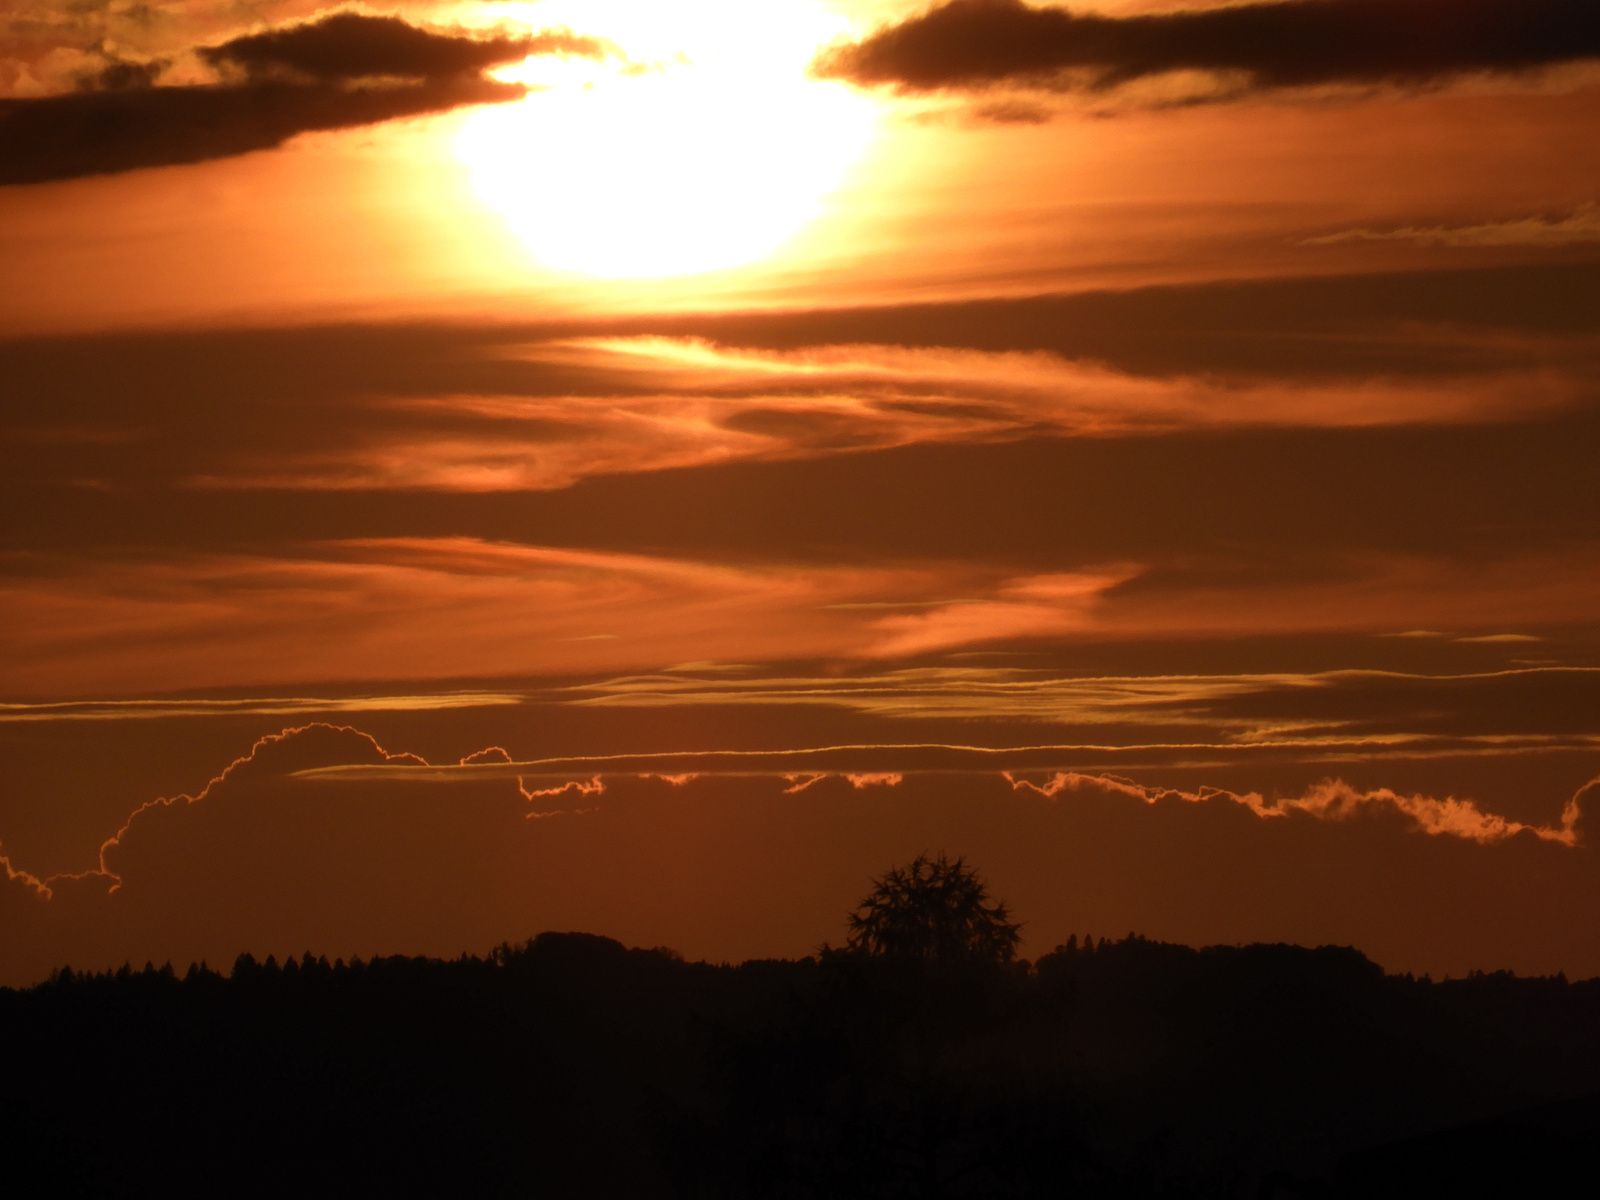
x,y
320,838
341,71
22,881
866,779
303,748
975,44
1335,800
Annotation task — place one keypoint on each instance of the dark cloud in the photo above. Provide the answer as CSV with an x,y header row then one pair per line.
x,y
348,46
103,132
980,43
292,80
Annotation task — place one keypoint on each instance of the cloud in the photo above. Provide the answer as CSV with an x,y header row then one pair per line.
x,y
1381,713
1328,800
342,71
1038,606
591,787
473,409
165,709
270,858
22,881
1582,224
866,779
414,608
303,748
681,402
363,609
349,46
976,44
1335,800
98,133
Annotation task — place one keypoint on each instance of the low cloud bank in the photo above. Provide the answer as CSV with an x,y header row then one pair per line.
x,y
341,71
978,44
277,855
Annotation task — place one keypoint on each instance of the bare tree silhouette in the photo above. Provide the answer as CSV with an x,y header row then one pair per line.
x,y
933,910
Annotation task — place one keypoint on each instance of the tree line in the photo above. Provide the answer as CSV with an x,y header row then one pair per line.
x,y
920,1059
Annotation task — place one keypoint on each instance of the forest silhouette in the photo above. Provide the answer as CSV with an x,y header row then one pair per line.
x,y
921,1059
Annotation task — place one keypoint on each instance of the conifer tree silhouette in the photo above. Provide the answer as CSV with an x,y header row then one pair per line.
x,y
933,910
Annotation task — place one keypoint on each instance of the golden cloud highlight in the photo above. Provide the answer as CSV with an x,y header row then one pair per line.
x,y
1335,800
419,608
650,403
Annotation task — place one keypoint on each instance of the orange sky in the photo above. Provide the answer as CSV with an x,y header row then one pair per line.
x,y
1230,439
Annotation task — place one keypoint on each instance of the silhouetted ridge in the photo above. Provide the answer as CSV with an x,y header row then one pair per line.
x,y
575,1066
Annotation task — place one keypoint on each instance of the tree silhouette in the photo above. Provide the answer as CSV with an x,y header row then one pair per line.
x,y
933,910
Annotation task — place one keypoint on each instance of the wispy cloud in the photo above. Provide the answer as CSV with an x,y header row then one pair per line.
x,y
409,608
1335,800
162,709
1322,716
1036,606
650,403
453,608
1582,224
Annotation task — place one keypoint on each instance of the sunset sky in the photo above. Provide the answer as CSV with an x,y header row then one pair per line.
x,y
648,466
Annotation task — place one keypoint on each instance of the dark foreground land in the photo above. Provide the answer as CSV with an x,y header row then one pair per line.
x,y
573,1067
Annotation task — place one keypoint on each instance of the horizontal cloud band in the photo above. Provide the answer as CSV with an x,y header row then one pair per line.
x,y
979,43
865,766
265,857
349,46
102,133
295,79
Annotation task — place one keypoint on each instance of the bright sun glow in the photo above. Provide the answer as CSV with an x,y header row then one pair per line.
x,y
706,148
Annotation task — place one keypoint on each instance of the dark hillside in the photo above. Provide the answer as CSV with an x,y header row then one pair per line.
x,y
572,1066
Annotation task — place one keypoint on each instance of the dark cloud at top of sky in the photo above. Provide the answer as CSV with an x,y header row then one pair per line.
x,y
350,46
102,132
972,44
296,80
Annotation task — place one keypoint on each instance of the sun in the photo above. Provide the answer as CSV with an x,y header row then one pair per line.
x,y
706,147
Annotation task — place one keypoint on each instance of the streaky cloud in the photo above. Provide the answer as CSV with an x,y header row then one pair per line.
x,y
978,44
690,402
162,709
339,72
1580,225
102,133
1335,800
